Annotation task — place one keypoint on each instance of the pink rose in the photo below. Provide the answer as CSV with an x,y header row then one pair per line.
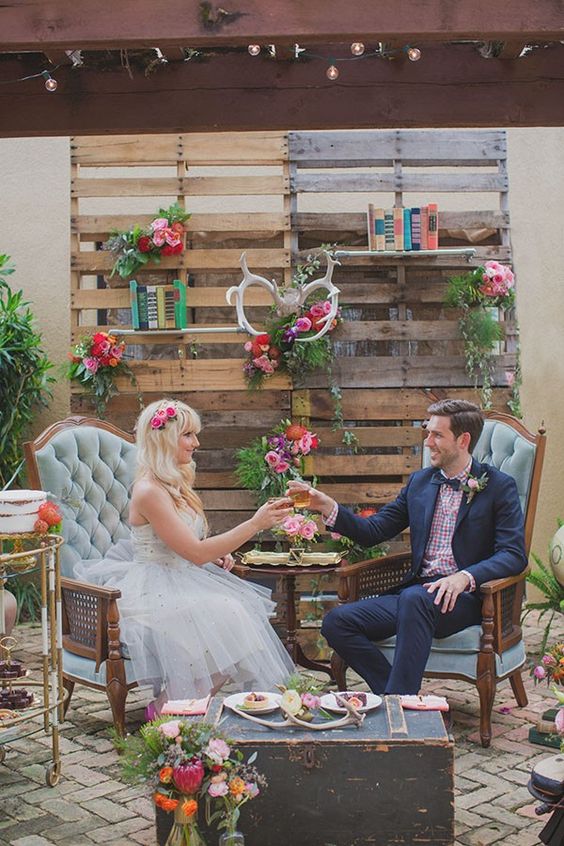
x,y
170,411
272,459
159,237
263,363
171,237
303,324
91,364
305,443
317,310
291,525
170,729
308,530
217,790
217,750
559,721
282,467
326,306
548,661
473,484
335,536
539,672
159,223
248,346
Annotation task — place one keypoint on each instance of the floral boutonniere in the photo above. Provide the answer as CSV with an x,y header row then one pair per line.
x,y
473,485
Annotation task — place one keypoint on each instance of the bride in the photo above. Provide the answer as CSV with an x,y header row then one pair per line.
x,y
189,624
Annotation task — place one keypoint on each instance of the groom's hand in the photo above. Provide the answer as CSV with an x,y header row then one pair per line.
x,y
448,589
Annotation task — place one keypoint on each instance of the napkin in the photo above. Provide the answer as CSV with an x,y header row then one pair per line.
x,y
186,706
424,703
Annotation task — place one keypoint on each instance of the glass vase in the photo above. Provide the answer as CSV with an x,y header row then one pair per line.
x,y
232,838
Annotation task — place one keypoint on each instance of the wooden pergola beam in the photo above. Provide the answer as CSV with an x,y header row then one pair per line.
x,y
448,87
68,25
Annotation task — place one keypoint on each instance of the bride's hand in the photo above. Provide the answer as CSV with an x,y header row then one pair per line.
x,y
226,562
272,513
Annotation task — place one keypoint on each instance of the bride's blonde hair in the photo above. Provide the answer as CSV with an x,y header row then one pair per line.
x,y
157,449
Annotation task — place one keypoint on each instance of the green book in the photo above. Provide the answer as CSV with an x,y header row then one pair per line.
x,y
180,314
134,305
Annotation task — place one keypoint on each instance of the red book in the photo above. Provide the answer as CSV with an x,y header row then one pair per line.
x,y
433,234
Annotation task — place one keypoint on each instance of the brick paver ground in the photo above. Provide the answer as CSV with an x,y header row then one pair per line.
x,y
92,806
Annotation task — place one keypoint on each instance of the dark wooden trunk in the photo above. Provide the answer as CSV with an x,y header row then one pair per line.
x,y
389,782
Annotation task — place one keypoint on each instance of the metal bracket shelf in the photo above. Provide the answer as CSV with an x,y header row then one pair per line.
x,y
467,252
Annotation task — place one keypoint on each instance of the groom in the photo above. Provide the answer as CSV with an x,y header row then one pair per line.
x,y
466,528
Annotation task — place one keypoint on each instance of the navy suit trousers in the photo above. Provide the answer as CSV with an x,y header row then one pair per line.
x,y
409,613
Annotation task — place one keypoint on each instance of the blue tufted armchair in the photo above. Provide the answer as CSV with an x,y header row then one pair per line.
x,y
88,465
486,654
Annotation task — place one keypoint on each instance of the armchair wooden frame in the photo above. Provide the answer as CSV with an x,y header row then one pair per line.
x,y
501,598
90,614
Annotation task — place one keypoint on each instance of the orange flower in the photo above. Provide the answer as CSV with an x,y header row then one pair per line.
x,y
165,775
113,362
189,807
164,802
236,786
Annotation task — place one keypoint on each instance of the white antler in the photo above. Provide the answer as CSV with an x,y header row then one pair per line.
x,y
292,299
238,291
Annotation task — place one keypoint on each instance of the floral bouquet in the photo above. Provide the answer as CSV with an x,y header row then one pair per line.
x,y
185,762
95,362
276,349
301,697
353,551
138,246
476,293
269,462
551,665
299,529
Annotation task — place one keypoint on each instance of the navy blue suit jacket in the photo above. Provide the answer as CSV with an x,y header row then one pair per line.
x,y
488,540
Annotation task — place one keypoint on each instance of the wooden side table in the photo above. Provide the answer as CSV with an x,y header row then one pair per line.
x,y
287,575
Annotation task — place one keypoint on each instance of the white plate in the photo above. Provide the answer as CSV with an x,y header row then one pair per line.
x,y
236,700
330,703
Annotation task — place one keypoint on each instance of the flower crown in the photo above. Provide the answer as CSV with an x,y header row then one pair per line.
x,y
165,412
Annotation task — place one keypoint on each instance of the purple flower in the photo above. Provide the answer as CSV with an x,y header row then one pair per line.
x,y
289,335
539,672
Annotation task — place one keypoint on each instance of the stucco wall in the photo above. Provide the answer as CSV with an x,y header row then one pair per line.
x,y
34,204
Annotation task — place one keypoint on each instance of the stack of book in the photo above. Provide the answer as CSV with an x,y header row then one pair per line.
x,y
400,229
158,306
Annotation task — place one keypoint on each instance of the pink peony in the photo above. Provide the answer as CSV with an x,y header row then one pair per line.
x,y
305,443
170,729
559,721
159,223
263,363
217,790
539,672
303,324
217,750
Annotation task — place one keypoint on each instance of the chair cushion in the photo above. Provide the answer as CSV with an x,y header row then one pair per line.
x,y
458,654
85,669
89,473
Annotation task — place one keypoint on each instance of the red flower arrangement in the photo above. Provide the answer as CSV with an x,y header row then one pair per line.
x,y
137,247
95,362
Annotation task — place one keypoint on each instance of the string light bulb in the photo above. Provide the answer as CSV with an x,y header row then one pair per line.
x,y
50,82
357,48
254,49
413,54
332,72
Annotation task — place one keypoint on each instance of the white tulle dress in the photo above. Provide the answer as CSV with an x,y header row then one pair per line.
x,y
188,628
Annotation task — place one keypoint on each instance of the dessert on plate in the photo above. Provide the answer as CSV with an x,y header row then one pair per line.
x,y
355,698
255,701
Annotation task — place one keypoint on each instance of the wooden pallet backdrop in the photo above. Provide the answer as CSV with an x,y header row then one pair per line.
x,y
398,348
